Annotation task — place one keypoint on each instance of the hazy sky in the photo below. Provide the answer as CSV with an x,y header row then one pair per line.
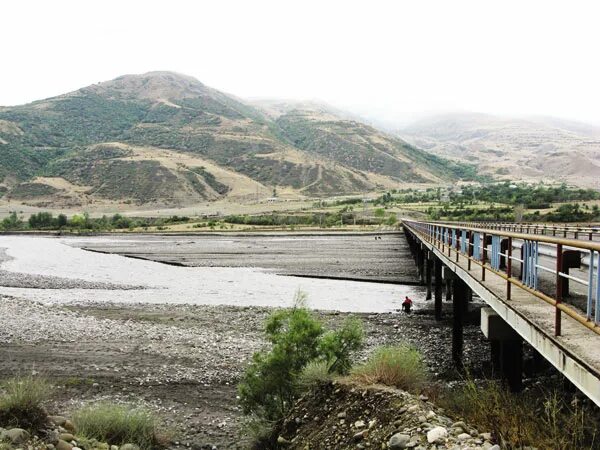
x,y
388,59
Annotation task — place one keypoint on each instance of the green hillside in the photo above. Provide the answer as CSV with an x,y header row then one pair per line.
x,y
83,137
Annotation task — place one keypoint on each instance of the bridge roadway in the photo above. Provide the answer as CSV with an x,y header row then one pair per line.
x,y
566,335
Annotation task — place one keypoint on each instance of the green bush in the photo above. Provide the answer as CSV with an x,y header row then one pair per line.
x,y
399,366
117,425
21,402
271,381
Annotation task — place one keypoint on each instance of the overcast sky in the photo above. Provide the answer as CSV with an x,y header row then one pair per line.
x,y
388,59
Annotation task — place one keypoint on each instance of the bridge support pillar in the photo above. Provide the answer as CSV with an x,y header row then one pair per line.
x,y
448,275
459,300
421,263
506,348
437,274
428,270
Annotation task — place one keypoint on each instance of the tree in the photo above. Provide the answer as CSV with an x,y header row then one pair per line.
x,y
61,221
12,222
41,220
519,212
391,220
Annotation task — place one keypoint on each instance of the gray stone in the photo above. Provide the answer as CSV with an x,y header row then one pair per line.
x,y
58,420
463,436
15,435
359,424
360,435
135,447
398,441
459,424
437,434
52,437
495,447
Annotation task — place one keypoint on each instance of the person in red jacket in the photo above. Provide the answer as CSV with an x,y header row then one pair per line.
x,y
407,304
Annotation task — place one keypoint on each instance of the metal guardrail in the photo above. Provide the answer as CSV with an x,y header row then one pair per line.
x,y
492,250
586,231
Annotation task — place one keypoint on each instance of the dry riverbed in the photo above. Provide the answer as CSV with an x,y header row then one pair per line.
x,y
178,356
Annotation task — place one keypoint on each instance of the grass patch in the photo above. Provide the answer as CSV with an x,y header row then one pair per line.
x,y
398,366
118,424
22,400
314,374
545,421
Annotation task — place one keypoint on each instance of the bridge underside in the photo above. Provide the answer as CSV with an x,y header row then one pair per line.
x,y
576,353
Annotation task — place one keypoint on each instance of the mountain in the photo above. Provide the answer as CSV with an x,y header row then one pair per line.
x,y
531,149
166,139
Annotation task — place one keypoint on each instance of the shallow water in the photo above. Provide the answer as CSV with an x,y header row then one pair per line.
x,y
191,285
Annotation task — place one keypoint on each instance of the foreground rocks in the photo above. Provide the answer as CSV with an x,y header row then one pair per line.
x,y
341,415
180,361
58,434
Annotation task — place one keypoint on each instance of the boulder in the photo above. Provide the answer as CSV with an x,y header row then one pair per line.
x,y
66,437
398,441
129,447
436,434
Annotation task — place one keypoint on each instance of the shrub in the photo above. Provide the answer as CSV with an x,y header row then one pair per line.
x,y
271,382
399,366
338,346
21,404
117,425
524,419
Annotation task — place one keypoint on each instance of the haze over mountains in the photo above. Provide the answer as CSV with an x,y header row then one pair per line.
x,y
163,138
533,149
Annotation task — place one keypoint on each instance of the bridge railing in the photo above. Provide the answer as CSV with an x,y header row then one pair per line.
x,y
492,250
587,231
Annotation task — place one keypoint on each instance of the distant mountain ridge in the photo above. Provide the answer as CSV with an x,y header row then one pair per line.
x,y
163,138
531,149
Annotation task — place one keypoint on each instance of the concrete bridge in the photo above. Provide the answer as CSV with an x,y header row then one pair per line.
x,y
539,288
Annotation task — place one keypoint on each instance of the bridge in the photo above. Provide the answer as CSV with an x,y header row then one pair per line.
x,y
540,285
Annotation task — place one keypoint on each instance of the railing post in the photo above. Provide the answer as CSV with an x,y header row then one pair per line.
x,y
559,280
590,294
509,268
458,238
483,256
469,249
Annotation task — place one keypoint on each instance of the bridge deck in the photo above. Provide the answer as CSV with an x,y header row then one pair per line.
x,y
576,352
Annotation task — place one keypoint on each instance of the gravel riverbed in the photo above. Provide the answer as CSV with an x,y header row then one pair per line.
x,y
181,356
